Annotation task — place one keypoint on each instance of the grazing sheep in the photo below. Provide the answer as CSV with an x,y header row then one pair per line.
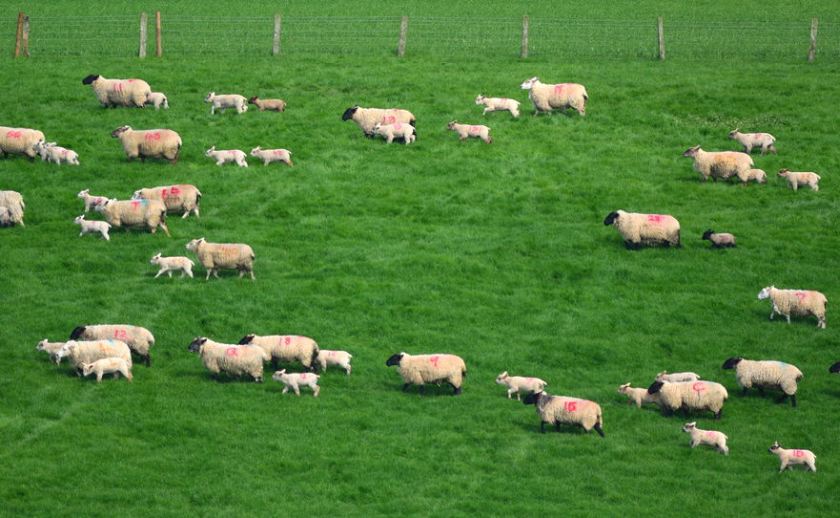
x,y
118,92
223,156
719,239
136,213
792,457
758,175
50,348
50,152
91,202
396,130
139,339
235,360
677,377
337,358
562,409
81,352
278,105
547,97
719,164
429,368
272,155
93,227
226,101
286,348
636,395
834,369
696,395
796,302
296,379
115,366
366,118
217,256
466,131
153,143
765,374
494,104
639,230
517,384
794,180
12,201
710,437
750,140
178,199
173,264
19,141
157,100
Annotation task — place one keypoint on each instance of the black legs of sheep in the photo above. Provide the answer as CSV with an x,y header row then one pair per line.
x,y
422,390
597,428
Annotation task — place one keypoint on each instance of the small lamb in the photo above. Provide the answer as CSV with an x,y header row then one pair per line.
x,y
493,104
396,130
273,155
173,264
466,131
92,227
113,365
710,437
790,457
157,100
677,377
50,152
224,156
296,379
517,384
719,239
636,395
91,202
795,179
226,101
750,140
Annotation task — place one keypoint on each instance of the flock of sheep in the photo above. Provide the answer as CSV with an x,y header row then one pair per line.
x,y
107,349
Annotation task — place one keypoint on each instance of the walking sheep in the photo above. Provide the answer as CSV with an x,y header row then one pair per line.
x,y
327,358
278,105
50,348
493,104
223,156
153,143
115,366
226,101
157,100
234,360
639,230
696,395
19,141
794,180
750,140
793,457
136,213
719,239
93,227
429,368
91,202
81,352
217,256
758,175
719,164
636,395
273,155
395,130
466,131
50,152
118,92
178,199
710,437
517,384
765,374
286,349
547,97
138,339
173,264
558,410
366,118
12,201
676,377
796,303
295,380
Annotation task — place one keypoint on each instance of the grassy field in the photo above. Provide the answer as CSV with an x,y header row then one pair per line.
x,y
496,253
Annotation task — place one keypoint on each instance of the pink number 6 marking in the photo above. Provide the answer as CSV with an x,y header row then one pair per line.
x,y
287,340
232,351
434,360
570,406
698,387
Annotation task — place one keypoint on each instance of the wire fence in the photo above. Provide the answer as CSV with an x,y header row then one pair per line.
x,y
560,38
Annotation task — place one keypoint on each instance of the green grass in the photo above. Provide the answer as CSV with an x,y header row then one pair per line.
x,y
496,253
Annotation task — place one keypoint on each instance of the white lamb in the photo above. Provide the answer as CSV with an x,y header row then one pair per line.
x,y
791,457
93,227
50,152
173,264
223,156
677,377
91,202
295,380
337,358
157,100
226,101
517,384
494,104
710,437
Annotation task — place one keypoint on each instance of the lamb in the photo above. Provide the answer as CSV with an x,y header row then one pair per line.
x,y
19,141
677,377
138,339
93,227
753,174
366,118
278,105
287,348
547,97
50,152
697,395
636,395
794,180
118,92
116,366
710,437
562,409
157,100
273,155
91,202
466,131
750,140
178,199
173,264
429,368
396,130
796,302
224,156
493,104
296,379
216,256
12,201
517,384
765,374
153,143
130,213
226,101
719,239
235,360
337,358
645,229
719,164
791,457
834,369
81,352
50,348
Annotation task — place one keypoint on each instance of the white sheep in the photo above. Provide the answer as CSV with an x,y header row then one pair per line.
x,y
710,437
719,164
157,99
750,140
223,102
217,256
493,104
796,302
794,180
19,141
559,410
235,360
115,366
547,97
178,199
429,368
766,374
223,156
366,118
272,155
636,395
12,201
93,227
792,457
118,92
645,229
136,213
286,348
153,143
268,104
138,339
341,359
395,130
50,348
91,201
677,377
51,152
520,384
80,352
173,264
295,380
692,395
719,239
466,131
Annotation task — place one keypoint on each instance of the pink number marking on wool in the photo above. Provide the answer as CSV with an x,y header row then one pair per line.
x,y
656,218
120,334
152,136
710,435
558,89
118,87
434,360
135,203
570,406
398,126
279,152
698,387
232,351
798,453
475,129
389,119
287,340
303,376
800,295
14,134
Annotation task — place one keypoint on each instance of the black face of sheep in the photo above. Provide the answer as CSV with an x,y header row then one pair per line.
x,y
196,344
395,359
834,369
532,399
90,79
731,363
774,447
246,339
691,152
708,234
253,100
655,387
77,333
348,113
611,217
119,131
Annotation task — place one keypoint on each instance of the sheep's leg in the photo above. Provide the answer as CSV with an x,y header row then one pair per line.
x,y
793,400
718,414
405,387
252,275
788,318
317,390
216,273
208,274
542,426
148,360
159,273
184,216
509,392
694,443
348,369
783,466
557,426
456,391
99,377
744,391
286,389
169,273
599,429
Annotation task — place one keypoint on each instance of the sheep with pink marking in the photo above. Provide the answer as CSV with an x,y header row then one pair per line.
x,y
640,230
796,303
548,97
429,368
224,156
520,384
272,155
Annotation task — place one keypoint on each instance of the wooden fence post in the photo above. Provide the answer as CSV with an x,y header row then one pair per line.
x,y
812,51
144,29
18,34
25,50
275,47
523,51
403,36
158,43
660,30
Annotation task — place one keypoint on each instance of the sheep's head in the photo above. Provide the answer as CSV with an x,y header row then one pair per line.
x,y
278,375
255,151
784,172
395,359
119,131
764,293
733,133
692,151
611,218
210,151
479,99
41,345
247,339
349,112
533,398
137,195
65,350
155,259
195,345
731,363
655,387
500,379
210,97
622,389
377,127
77,333
84,193
193,245
253,100
708,234
451,124
688,427
79,219
87,368
90,79
834,369
774,448
527,85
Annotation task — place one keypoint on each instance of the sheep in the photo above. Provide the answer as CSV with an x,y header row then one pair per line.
x,y
791,457
139,339
12,201
765,374
639,230
835,368
157,99
50,348
296,379
80,352
696,395
517,384
91,202
429,368
153,143
395,130
226,101
719,239
50,152
287,348
466,131
710,437
129,213
118,92
636,395
273,155
750,140
796,302
758,175
719,164
19,141
93,227
173,264
216,256
116,366
337,358
223,156
547,97
366,118
794,180
493,104
677,377
178,199
278,105
562,409
235,360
